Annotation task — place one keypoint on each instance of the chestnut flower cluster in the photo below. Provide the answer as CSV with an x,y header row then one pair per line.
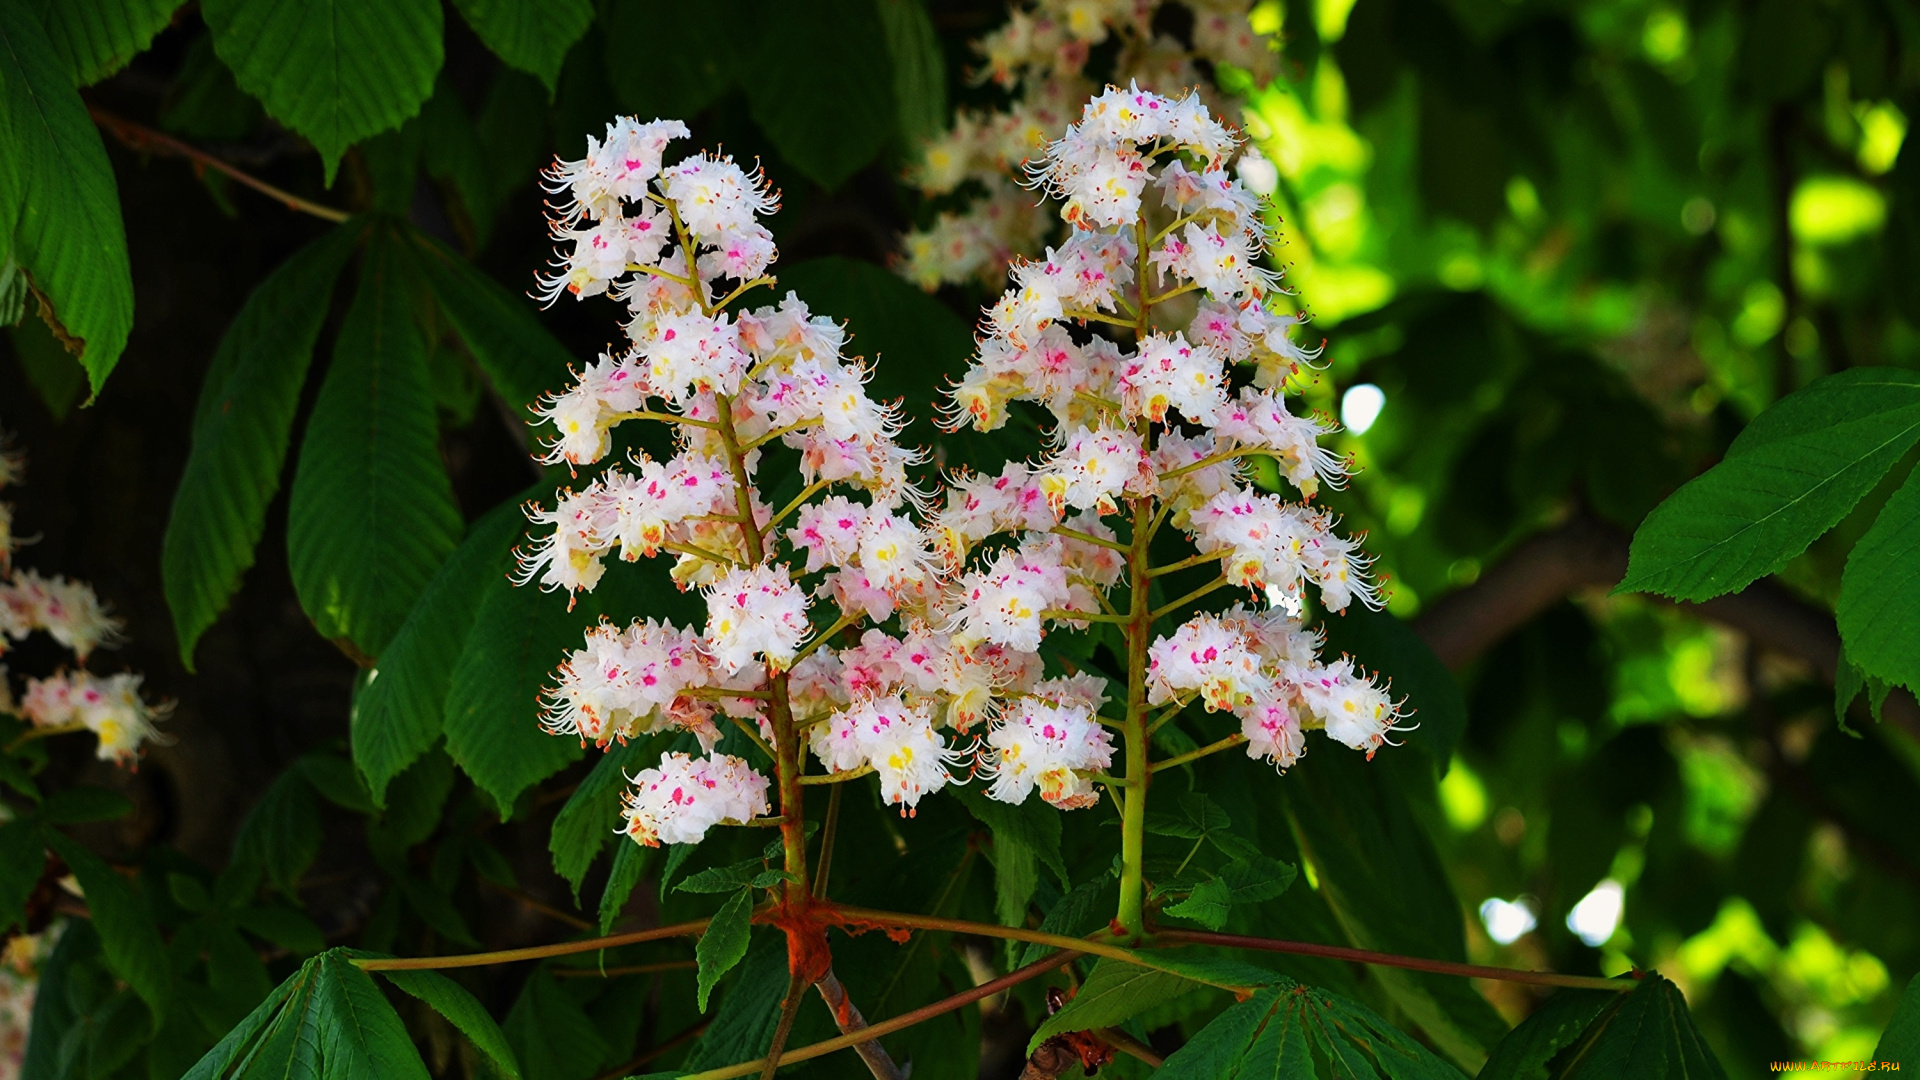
x,y
1040,57
1156,431
70,613
880,629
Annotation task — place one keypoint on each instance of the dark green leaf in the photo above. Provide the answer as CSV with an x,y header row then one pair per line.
x,y
85,803
372,514
281,834
629,866
204,102
817,89
919,70
238,1043
361,1036
53,1011
1879,608
552,1037
720,879
54,373
742,1027
1382,877
415,800
1647,1033
499,328
1525,1052
492,712
96,38
240,431
399,715
58,201
677,82
532,35
451,1000
1084,909
724,943
125,925
1901,1041
190,893
1790,476
1252,878
1208,904
1280,1031
585,823
336,71
1114,992
333,777
23,858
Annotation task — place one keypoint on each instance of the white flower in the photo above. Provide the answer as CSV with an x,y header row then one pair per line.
x,y
569,556
689,353
715,197
755,612
680,799
896,739
1171,373
1095,468
1207,656
1354,710
1049,746
614,171
1273,733
628,683
111,708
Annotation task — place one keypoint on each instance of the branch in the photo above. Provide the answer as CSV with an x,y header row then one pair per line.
x,y
1584,554
538,952
1379,959
846,1016
144,139
898,1023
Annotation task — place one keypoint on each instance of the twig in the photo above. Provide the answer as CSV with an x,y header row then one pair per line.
x,y
142,138
543,908
898,1023
1380,959
624,969
538,952
846,1016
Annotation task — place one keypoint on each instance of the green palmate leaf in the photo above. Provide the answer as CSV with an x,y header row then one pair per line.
x,y
238,1043
1648,1033
1383,880
1280,1031
241,428
96,38
492,710
1208,904
126,928
54,373
361,1037
722,879
1901,1041
1024,838
1083,910
58,204
919,69
1252,878
676,82
1525,1052
1115,991
552,1036
23,859
499,328
585,823
1879,608
336,71
415,799
398,716
630,863
204,102
451,1000
724,943
532,35
372,514
818,91
281,834
1791,475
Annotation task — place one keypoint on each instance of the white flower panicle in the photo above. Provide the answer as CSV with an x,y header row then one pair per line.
x,y
951,605
70,613
1040,55
1155,423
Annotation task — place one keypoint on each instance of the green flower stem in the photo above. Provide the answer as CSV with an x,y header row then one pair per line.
x,y
538,952
1227,743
